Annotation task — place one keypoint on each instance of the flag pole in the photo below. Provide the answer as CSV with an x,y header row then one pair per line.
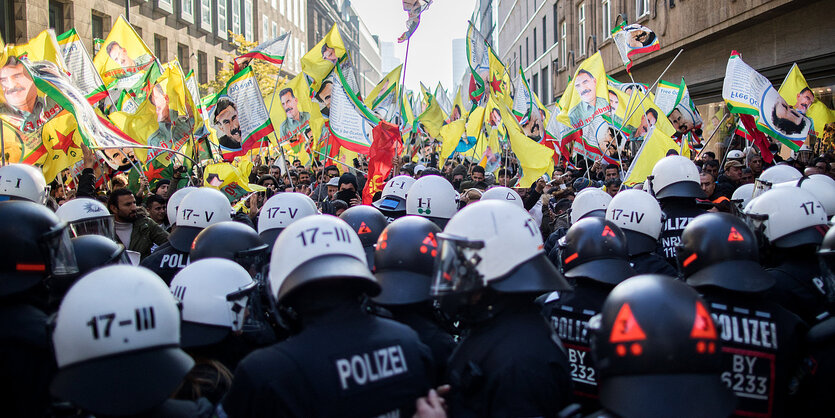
x,y
715,130
2,142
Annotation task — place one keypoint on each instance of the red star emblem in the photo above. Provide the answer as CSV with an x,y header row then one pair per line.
x,y
65,142
496,84
153,172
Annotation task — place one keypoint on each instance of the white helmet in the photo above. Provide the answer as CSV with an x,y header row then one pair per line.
x,y
393,198
780,173
823,190
735,155
174,202
639,216
788,216
280,211
214,294
432,197
116,341
675,176
316,248
493,243
503,193
87,216
743,194
199,209
23,181
591,201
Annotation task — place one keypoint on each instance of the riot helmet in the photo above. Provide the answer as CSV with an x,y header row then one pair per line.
x,y
403,260
675,176
23,182
174,202
87,216
199,209
393,198
788,217
596,249
233,241
589,202
434,198
503,193
280,211
368,223
640,217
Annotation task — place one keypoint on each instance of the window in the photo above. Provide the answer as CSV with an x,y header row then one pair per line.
x,y
7,20
97,24
581,28
202,70
187,7
641,8
535,84
248,20
519,63
281,6
206,13
275,30
534,43
527,53
543,89
272,3
56,16
166,4
556,27
544,35
563,43
218,66
265,27
236,16
161,47
606,18
290,10
303,17
184,57
221,18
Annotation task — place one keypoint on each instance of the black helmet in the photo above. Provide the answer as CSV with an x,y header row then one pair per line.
x,y
36,245
643,356
596,249
233,241
720,249
368,223
404,259
91,252
826,253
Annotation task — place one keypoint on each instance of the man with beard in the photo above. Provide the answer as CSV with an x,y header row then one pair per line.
x,y
292,126
804,99
136,232
21,95
586,86
226,119
324,97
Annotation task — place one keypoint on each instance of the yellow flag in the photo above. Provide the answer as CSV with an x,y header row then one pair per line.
x,y
320,60
386,87
61,140
43,47
226,178
587,96
305,123
139,125
433,117
450,135
653,149
499,80
535,159
123,54
798,95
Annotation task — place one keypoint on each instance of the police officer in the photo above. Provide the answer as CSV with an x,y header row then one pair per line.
x,y
792,223
392,201
433,198
675,183
174,203
591,202
490,268
87,216
404,257
639,216
657,352
117,346
503,193
199,209
23,182
36,246
91,252
280,211
595,256
318,275
233,241
762,341
368,223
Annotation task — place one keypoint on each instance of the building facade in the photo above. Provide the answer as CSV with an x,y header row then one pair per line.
x,y
389,57
551,38
196,32
459,61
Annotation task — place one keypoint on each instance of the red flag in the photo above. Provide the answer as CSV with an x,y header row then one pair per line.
x,y
759,138
386,136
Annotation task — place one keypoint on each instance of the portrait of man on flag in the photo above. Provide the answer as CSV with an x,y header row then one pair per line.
x,y
296,121
226,122
593,95
778,115
22,103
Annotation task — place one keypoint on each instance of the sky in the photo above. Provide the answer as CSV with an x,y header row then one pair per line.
x,y
430,50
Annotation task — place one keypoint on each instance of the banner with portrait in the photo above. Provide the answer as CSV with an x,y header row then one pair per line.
x,y
296,118
748,92
82,70
240,116
123,54
351,123
318,63
799,96
632,40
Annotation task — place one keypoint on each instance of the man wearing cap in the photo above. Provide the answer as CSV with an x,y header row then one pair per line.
x,y
729,181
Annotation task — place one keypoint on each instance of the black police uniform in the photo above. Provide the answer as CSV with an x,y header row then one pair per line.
x,y
166,262
762,347
652,263
27,363
344,363
569,314
801,287
679,211
819,367
510,365
439,341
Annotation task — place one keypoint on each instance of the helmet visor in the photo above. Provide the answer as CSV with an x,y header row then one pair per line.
x,y
61,254
241,308
253,259
94,226
455,267
760,187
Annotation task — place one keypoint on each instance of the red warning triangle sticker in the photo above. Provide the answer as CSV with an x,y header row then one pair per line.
x,y
734,235
607,232
430,240
703,324
626,328
364,229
